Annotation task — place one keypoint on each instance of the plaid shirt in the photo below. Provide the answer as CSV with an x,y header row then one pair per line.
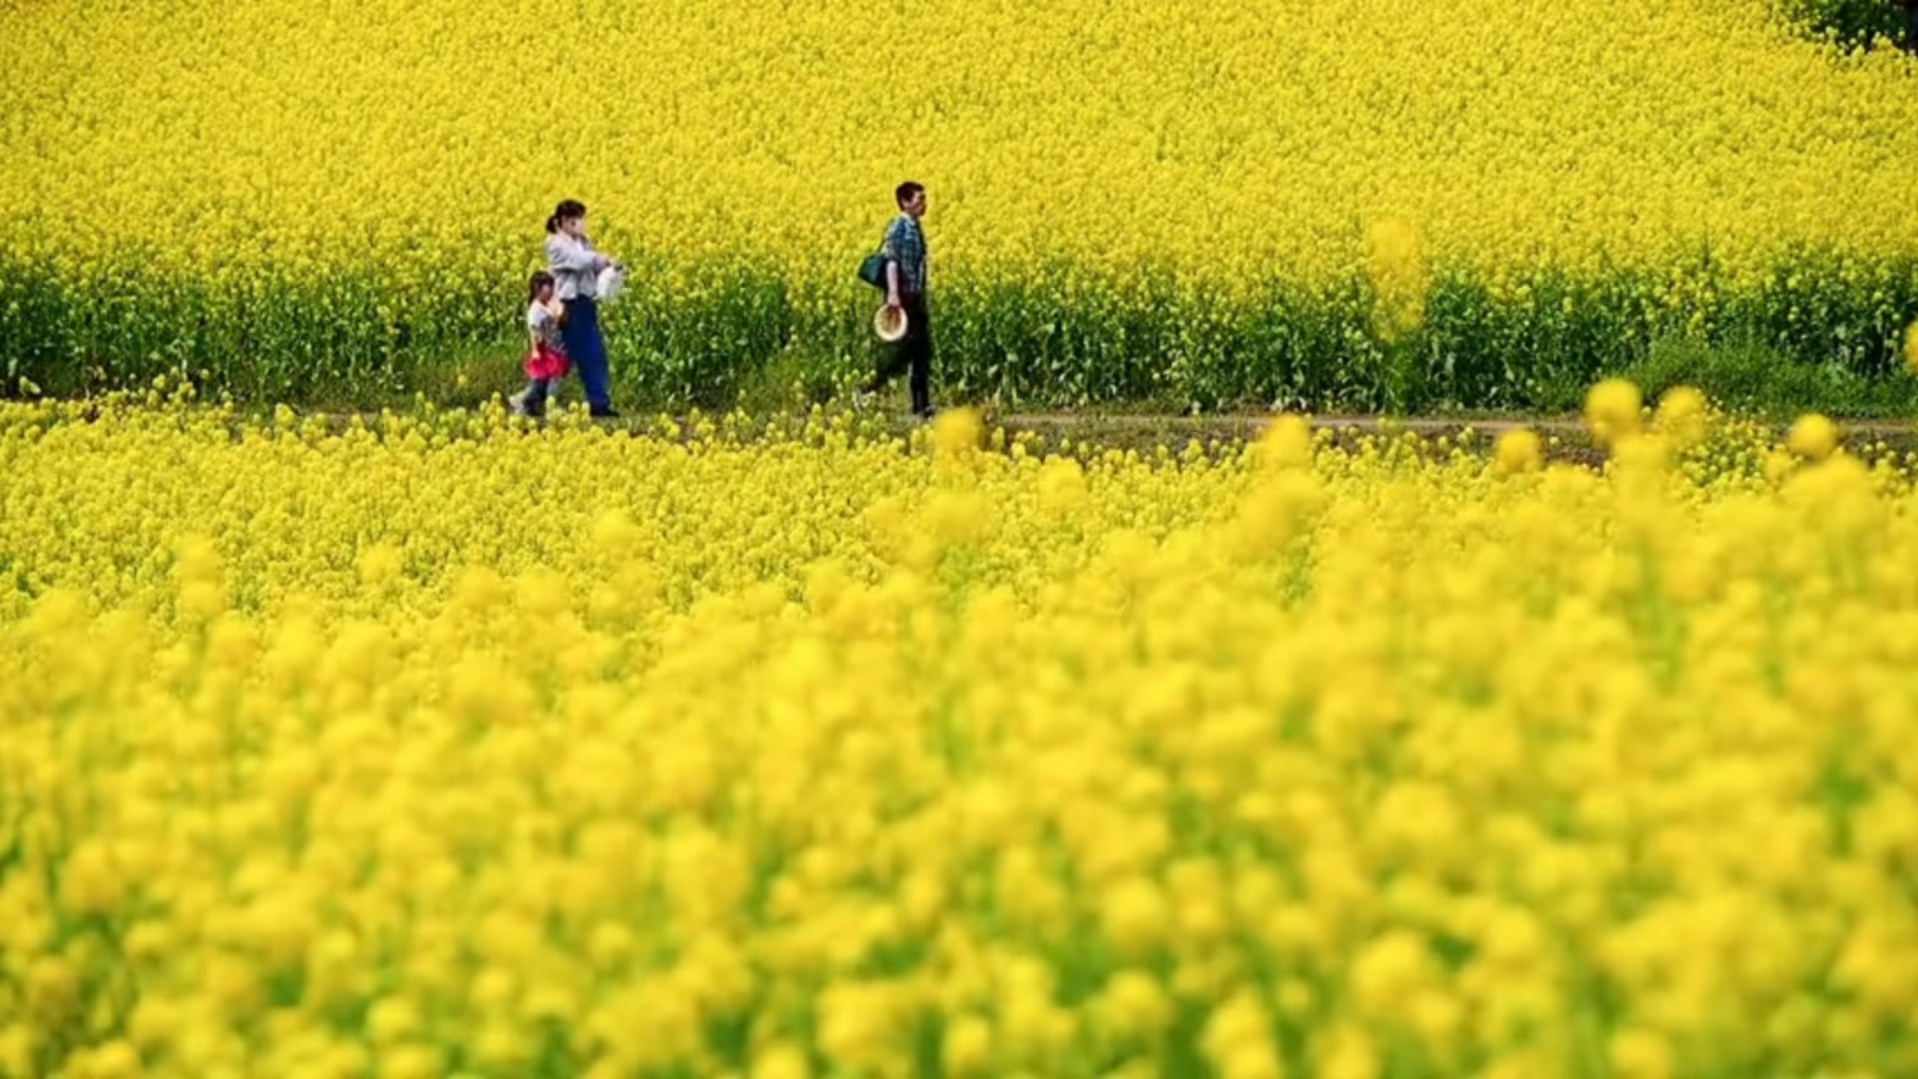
x,y
906,245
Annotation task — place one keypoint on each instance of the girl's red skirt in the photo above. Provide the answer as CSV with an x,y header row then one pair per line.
x,y
543,362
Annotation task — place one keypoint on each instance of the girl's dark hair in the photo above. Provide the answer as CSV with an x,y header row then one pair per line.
x,y
566,209
540,280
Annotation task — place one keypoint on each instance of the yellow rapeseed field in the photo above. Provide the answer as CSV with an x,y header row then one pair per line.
x,y
1249,136
294,192
446,747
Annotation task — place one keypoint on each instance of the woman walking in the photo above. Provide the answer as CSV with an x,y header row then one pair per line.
x,y
575,267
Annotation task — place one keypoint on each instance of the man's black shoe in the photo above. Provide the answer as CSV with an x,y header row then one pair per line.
x,y
605,414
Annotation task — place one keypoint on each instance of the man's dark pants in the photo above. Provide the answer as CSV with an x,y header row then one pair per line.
x,y
913,353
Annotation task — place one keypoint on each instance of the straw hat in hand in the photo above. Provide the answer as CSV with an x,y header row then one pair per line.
x,y
890,323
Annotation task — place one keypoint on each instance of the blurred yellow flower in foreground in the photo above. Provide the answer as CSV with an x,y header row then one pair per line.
x,y
440,745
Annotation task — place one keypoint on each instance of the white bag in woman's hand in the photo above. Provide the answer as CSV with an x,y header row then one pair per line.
x,y
612,281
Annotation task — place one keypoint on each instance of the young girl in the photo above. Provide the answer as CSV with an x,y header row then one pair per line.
x,y
546,363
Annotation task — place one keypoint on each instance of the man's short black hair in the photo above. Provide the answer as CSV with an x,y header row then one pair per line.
x,y
904,192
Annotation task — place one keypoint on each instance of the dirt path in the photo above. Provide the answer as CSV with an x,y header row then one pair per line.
x,y
1129,431
1123,430
1426,425
1239,425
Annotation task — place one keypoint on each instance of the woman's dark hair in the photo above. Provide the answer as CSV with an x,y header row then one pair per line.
x,y
566,209
540,280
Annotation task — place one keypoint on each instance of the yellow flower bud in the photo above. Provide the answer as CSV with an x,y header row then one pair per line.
x,y
1812,436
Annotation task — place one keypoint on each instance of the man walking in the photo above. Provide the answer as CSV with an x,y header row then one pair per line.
x,y
905,252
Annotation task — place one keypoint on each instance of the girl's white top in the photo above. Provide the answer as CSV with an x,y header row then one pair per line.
x,y
543,323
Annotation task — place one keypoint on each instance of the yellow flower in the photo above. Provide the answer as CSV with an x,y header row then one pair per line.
x,y
967,1049
91,883
1134,1006
1612,410
1395,264
1286,442
1682,415
857,1024
52,989
957,432
1135,916
1347,1053
393,1019
412,1062
781,1060
1812,436
1641,1054
114,1060
1347,761
379,564
1519,450
1388,970
1238,1041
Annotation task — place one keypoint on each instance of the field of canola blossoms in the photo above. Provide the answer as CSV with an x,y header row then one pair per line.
x,y
1349,204
393,753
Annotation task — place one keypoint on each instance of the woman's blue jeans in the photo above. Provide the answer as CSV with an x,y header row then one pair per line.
x,y
587,349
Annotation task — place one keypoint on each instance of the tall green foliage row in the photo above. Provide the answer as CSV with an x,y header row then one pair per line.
x,y
1150,338
1854,23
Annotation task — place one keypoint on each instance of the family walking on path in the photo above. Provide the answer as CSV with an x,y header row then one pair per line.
x,y
562,318
562,313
